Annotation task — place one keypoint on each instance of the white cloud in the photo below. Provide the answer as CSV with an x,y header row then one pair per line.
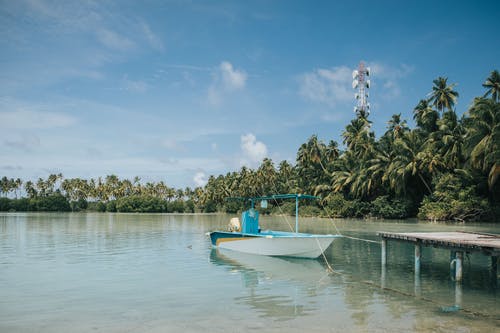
x,y
136,86
27,119
173,144
253,151
389,77
233,79
200,179
153,40
113,40
214,95
328,86
27,142
333,86
226,79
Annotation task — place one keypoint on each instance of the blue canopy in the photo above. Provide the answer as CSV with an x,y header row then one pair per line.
x,y
297,197
276,196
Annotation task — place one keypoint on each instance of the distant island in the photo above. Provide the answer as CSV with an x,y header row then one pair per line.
x,y
446,168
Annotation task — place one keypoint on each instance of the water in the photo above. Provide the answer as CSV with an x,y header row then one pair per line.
x,y
158,273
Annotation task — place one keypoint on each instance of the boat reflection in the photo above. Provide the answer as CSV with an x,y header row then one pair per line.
x,y
279,288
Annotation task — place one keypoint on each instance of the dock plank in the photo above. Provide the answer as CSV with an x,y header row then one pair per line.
x,y
486,243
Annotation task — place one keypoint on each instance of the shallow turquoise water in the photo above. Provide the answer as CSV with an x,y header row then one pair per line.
x,y
158,273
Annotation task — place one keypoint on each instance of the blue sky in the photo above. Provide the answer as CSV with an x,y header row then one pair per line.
x,y
180,90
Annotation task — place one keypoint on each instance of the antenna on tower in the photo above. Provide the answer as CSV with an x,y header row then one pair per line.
x,y
361,82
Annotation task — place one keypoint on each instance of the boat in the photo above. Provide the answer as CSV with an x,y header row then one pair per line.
x,y
247,237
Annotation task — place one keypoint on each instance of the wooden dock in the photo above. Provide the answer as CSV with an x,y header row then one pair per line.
x,y
458,242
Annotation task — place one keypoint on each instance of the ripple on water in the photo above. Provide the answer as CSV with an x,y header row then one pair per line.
x,y
158,273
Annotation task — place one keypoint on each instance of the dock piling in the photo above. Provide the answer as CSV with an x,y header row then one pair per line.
x,y
418,250
384,252
494,269
458,242
458,265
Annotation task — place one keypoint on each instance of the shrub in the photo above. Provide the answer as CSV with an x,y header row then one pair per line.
x,y
20,205
389,209
96,206
52,203
335,205
452,200
189,206
141,204
4,204
210,207
285,208
111,206
309,210
176,206
79,205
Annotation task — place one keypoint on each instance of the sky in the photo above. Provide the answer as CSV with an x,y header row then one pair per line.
x,y
180,90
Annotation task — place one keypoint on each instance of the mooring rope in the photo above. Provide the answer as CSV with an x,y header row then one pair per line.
x,y
331,271
330,268
330,218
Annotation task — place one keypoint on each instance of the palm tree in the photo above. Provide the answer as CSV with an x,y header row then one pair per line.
x,y
451,140
359,139
483,132
442,95
425,116
286,181
41,187
492,83
345,172
406,163
332,151
396,126
377,167
30,189
266,175
311,159
4,185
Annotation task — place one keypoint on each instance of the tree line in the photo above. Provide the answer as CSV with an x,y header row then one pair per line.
x,y
110,194
445,168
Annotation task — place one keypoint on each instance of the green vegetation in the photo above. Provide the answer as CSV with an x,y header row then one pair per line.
x,y
446,168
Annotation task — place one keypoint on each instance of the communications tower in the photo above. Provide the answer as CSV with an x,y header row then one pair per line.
x,y
361,82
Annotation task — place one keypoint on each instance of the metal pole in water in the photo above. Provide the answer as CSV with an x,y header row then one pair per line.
x,y
452,264
458,295
297,214
494,265
494,270
383,274
458,265
384,251
418,249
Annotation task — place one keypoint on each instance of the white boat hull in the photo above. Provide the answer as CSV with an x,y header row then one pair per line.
x,y
306,246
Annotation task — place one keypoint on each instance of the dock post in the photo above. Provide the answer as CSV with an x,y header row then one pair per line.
x,y
494,269
418,250
458,295
384,251
452,264
383,262
458,265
